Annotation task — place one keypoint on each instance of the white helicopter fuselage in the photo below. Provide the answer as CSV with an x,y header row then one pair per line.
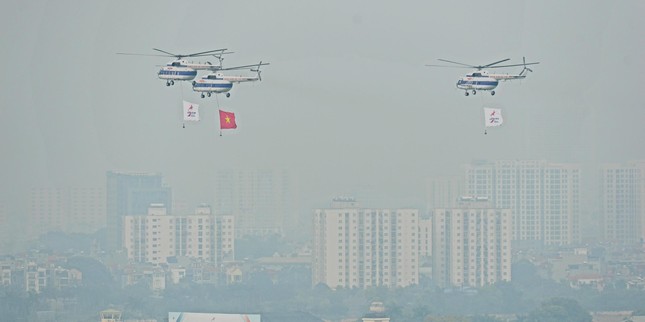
x,y
219,83
477,82
182,70
177,73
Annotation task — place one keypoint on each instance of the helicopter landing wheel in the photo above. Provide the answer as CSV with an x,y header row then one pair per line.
x,y
492,93
466,93
167,83
209,94
228,94
202,95
474,92
172,82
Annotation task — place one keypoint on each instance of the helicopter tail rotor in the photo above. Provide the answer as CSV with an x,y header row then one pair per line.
x,y
220,57
522,73
257,70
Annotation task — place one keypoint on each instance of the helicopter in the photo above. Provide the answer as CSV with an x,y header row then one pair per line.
x,y
217,82
483,80
181,69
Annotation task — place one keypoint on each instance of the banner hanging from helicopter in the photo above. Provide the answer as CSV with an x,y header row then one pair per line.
x,y
191,112
493,117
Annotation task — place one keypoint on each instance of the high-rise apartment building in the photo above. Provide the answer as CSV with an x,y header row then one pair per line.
x,y
543,197
622,201
443,192
359,247
68,210
130,194
157,236
471,244
260,200
425,237
5,226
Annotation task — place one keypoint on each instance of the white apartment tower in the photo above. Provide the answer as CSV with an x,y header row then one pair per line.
x,y
361,248
623,201
157,236
543,197
471,244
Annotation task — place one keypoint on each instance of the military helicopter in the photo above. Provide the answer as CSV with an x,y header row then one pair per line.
x,y
483,80
181,69
217,82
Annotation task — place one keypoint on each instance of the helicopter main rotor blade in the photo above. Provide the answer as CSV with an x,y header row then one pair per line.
x,y
495,63
454,62
165,52
206,53
449,66
222,53
134,54
514,65
246,66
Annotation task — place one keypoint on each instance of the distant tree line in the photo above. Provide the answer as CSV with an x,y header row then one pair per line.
x,y
530,296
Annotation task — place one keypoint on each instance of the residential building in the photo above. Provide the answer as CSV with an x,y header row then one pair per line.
x,y
67,210
362,247
5,274
4,228
471,244
425,237
158,236
622,202
35,278
260,200
443,192
38,277
130,194
543,197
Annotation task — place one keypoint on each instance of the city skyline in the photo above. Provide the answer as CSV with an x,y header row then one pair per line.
x,y
47,215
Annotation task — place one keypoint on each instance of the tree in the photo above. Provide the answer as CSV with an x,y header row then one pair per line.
x,y
557,310
483,318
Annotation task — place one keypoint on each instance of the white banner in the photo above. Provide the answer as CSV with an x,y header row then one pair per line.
x,y
191,112
493,117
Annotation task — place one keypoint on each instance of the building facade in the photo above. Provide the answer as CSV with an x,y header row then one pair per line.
x,y
471,244
425,237
443,192
360,248
68,210
622,202
130,194
158,236
260,200
543,197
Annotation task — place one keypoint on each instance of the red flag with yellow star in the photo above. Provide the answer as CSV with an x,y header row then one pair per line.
x,y
227,120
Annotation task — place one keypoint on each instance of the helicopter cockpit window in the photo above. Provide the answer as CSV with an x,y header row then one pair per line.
x,y
175,63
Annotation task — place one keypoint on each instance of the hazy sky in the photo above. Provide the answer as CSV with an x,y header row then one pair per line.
x,y
346,104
